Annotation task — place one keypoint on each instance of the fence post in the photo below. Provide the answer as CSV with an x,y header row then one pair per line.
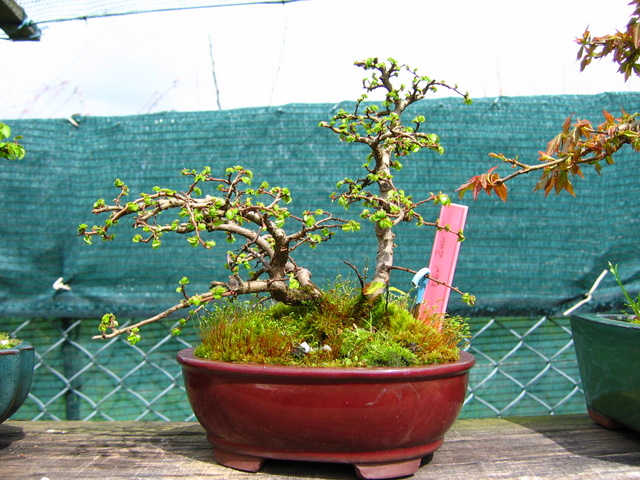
x,y
70,369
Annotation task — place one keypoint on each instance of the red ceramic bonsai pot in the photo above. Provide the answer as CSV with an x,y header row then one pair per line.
x,y
381,420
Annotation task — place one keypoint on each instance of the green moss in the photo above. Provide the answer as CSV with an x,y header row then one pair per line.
x,y
7,342
340,329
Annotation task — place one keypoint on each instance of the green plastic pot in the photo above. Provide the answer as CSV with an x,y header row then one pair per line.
x,y
16,374
608,351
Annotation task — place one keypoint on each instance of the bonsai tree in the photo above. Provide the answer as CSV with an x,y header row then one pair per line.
x,y
580,143
254,215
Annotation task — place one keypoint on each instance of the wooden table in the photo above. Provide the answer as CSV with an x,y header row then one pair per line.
x,y
554,447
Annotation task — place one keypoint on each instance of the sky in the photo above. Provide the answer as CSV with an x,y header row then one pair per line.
x,y
302,52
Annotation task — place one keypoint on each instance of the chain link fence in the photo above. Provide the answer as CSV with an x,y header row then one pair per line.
x,y
524,366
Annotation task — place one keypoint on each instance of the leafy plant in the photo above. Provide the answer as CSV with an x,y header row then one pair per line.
x,y
633,305
10,150
256,216
579,142
8,342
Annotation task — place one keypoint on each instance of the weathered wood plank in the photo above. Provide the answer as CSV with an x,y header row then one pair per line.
x,y
553,447
561,447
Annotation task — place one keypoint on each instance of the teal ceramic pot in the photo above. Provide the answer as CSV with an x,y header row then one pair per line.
x,y
608,351
16,373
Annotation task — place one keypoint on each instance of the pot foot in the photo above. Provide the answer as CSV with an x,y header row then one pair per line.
x,y
246,463
379,471
603,420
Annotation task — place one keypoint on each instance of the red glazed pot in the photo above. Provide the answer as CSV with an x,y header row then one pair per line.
x,y
381,420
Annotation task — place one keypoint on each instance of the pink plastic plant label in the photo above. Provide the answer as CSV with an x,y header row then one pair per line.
x,y
442,265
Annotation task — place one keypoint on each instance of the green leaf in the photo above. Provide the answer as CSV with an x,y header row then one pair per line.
x,y
309,220
109,320
193,241
442,199
351,226
280,221
15,151
294,284
385,223
373,287
398,291
5,131
469,299
218,291
133,338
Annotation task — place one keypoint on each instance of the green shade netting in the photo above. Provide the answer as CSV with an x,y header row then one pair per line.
x,y
528,256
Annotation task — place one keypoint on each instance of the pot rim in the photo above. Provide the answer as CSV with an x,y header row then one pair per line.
x,y
612,319
189,361
17,349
